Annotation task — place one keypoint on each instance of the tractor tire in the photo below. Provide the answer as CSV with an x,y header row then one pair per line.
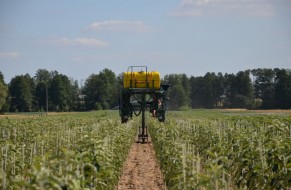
x,y
162,118
124,119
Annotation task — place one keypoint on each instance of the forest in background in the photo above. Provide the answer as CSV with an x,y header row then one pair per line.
x,y
252,89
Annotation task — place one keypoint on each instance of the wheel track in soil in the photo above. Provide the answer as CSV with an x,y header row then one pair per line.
x,y
140,170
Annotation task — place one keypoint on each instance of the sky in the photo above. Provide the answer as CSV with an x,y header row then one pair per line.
x,y
81,37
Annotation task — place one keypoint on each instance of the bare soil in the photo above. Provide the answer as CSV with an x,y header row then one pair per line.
x,y
140,170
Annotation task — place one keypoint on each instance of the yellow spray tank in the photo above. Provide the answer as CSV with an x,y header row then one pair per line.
x,y
142,79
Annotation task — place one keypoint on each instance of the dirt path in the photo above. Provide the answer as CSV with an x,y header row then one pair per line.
x,y
140,171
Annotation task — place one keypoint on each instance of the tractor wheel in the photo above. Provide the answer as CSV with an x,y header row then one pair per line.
x,y
124,119
162,117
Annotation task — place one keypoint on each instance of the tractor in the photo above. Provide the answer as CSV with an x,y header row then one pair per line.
x,y
142,91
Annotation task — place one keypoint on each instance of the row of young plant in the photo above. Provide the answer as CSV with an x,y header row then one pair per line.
x,y
224,152
63,152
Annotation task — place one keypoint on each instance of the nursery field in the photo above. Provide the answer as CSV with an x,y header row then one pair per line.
x,y
197,149
224,149
65,151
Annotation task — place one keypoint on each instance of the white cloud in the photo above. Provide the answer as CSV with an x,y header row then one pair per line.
x,y
9,55
121,25
90,42
194,2
253,8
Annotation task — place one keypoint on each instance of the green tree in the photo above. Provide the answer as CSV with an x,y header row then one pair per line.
x,y
40,95
43,75
21,92
101,90
239,90
177,96
107,88
185,81
197,96
42,79
60,93
264,86
213,89
230,89
3,91
282,89
179,91
219,90
2,78
32,89
244,96
90,91
207,91
75,91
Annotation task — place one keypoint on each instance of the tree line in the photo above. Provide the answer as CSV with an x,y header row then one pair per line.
x,y
252,89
